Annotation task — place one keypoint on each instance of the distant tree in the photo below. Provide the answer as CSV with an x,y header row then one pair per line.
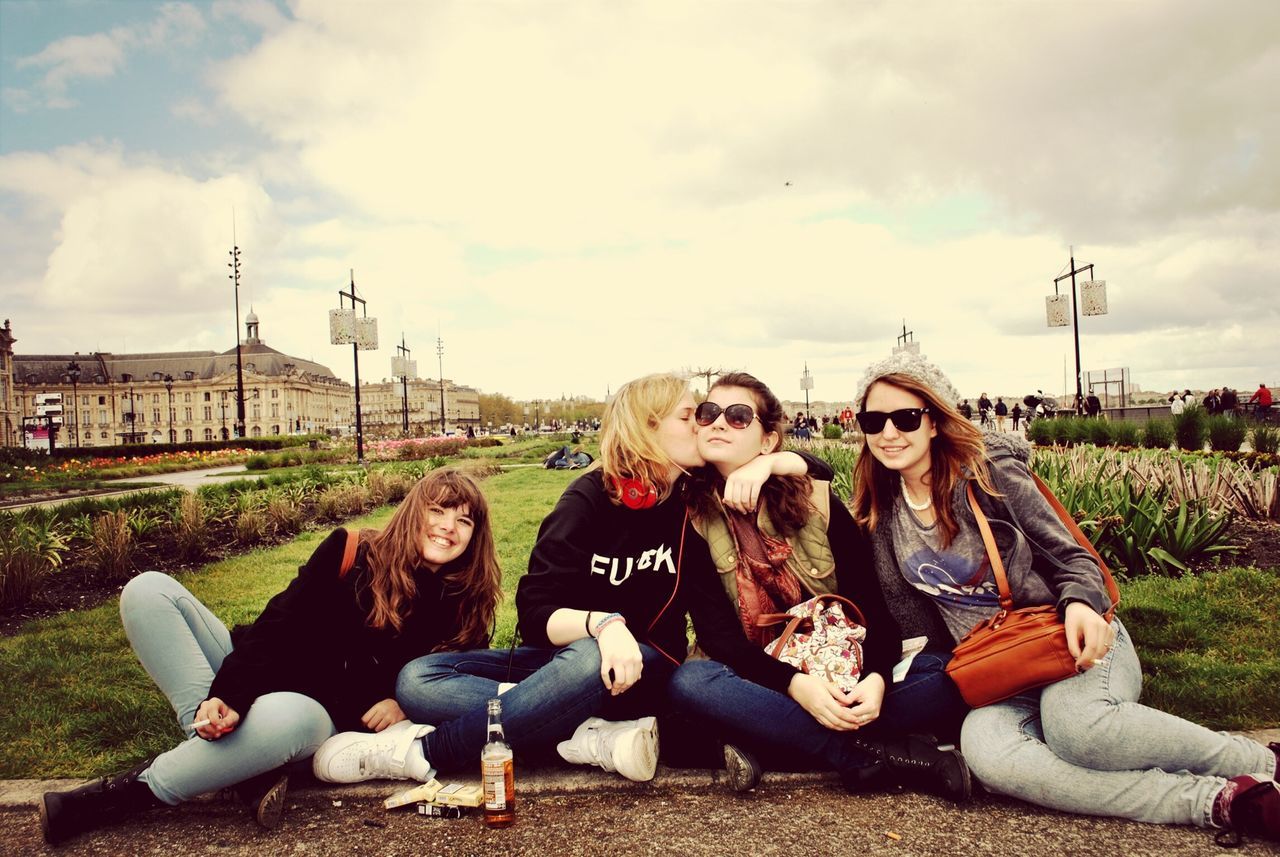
x,y
498,409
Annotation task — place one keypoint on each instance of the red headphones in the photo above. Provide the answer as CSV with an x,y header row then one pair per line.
x,y
636,494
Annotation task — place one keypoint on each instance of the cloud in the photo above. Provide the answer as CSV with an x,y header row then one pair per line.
x,y
100,55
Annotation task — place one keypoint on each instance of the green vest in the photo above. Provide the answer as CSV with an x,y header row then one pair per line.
x,y
811,558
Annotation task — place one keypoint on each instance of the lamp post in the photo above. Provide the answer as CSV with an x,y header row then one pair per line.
x,y
73,372
362,333
404,367
806,384
440,372
168,388
223,405
133,412
234,265
1094,294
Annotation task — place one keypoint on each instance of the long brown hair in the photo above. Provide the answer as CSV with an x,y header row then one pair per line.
x,y
629,447
788,498
957,453
395,553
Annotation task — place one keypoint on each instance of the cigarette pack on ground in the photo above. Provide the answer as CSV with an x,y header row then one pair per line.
x,y
426,791
435,810
456,794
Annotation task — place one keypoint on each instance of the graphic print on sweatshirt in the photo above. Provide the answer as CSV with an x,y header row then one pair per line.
x,y
617,569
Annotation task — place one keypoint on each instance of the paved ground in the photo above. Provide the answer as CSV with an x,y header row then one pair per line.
x,y
189,479
579,811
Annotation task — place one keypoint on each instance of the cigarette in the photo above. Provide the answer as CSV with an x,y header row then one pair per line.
x,y
198,724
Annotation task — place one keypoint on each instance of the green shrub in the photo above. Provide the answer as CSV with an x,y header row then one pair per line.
x,y
1266,439
832,431
251,527
341,502
1099,431
1225,434
31,546
1157,434
111,546
258,462
1064,430
1040,432
284,513
187,528
1190,429
1124,433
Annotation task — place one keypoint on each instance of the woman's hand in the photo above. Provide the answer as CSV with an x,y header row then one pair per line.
x,y
1089,636
867,696
383,714
222,719
825,702
620,661
742,486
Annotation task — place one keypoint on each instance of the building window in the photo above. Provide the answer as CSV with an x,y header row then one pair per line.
x,y
155,415
187,436
155,398
206,398
275,409
208,414
208,432
275,394
102,400
275,429
257,412
104,435
186,397
186,415
102,414
257,431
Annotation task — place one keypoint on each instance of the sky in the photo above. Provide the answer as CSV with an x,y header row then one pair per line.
x,y
572,194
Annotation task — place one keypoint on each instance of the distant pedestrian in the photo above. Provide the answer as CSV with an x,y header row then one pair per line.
x,y
1002,411
1262,396
1092,406
1176,404
1016,413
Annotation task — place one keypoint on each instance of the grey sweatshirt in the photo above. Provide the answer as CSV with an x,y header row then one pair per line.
x,y
1043,561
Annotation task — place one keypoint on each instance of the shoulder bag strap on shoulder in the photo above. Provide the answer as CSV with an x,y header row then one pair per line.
x,y
1113,592
349,553
989,540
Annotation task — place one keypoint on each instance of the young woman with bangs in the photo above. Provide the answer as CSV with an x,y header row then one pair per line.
x,y
1083,744
322,656
802,542
602,608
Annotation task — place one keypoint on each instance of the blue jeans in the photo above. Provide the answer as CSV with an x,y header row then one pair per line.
x,y
1086,745
773,723
181,645
556,690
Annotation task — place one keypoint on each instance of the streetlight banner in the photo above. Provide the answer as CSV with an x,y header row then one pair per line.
x,y
403,367
1057,310
342,326
367,334
1093,297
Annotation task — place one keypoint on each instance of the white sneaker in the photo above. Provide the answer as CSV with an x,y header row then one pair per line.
x,y
395,753
629,747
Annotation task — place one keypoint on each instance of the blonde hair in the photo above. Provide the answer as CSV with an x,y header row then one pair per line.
x,y
629,447
957,453
395,552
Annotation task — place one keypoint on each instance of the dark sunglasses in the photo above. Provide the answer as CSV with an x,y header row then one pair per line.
x,y
737,416
904,419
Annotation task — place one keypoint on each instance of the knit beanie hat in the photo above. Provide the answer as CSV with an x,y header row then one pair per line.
x,y
909,363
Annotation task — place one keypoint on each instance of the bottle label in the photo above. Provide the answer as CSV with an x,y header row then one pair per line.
x,y
499,782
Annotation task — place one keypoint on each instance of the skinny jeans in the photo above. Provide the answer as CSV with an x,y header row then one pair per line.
x,y
556,689
1085,745
181,645
773,724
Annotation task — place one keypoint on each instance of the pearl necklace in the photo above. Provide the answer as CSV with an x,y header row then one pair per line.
x,y
913,506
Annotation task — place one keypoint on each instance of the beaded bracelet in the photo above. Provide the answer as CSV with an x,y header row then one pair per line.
x,y
586,623
608,619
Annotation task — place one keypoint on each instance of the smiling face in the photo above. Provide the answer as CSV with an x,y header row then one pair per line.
x,y
676,437
904,452
447,536
728,448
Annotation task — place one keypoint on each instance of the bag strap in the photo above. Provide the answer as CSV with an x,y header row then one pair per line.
x,y
349,554
1113,591
989,541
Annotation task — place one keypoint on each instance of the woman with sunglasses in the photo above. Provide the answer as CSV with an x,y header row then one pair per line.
x,y
802,542
323,655
1083,744
602,608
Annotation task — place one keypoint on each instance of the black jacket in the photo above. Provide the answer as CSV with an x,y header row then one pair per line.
x,y
313,639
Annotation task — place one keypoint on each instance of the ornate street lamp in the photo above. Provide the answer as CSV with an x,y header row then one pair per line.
x,y
73,372
168,387
806,384
440,371
1092,301
404,368
362,333
234,265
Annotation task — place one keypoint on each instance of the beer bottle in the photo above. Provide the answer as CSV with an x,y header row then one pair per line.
x,y
497,771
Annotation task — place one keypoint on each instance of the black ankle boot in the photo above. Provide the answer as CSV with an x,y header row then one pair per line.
x,y
742,769
66,814
265,796
917,762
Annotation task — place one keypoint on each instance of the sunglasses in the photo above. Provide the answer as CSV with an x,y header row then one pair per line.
x,y
904,419
737,416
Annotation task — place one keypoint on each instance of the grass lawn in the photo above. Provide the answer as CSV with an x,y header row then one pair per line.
x,y
75,702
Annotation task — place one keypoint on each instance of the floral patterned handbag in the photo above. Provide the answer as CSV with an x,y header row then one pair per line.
x,y
823,637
